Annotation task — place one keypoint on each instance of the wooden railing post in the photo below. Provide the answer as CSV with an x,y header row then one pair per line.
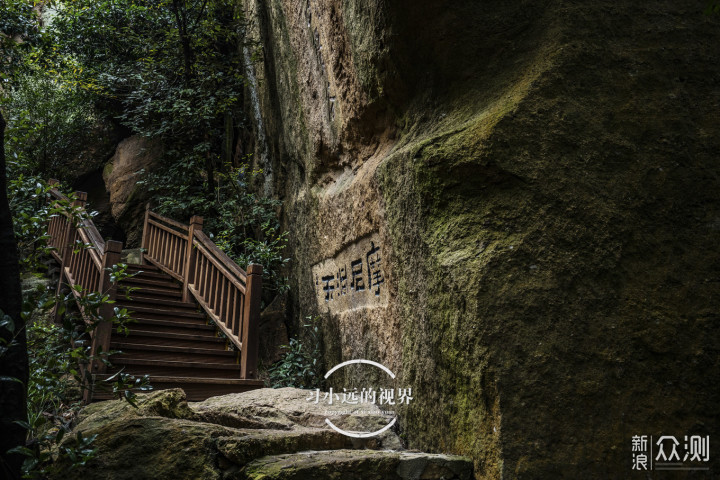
x,y
251,322
101,335
80,199
55,229
66,247
196,224
144,241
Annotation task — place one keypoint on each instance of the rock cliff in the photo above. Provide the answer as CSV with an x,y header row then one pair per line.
x,y
513,205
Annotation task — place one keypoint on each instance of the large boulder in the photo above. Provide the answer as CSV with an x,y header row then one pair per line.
x,y
515,206
122,173
359,465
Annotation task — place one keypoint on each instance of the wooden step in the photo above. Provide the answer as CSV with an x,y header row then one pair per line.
x,y
188,325
193,369
153,275
146,266
158,312
169,293
140,351
196,389
138,299
152,283
196,350
142,317
198,339
193,319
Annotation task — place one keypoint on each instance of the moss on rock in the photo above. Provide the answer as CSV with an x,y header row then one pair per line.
x,y
359,465
544,180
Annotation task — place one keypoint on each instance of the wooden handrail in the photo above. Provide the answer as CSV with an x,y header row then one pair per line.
x,y
165,243
84,257
229,295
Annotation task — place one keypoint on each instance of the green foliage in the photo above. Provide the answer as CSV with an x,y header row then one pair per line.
x,y
53,393
58,353
19,30
712,7
172,71
50,118
40,463
301,365
31,211
166,69
170,66
169,70
240,222
50,121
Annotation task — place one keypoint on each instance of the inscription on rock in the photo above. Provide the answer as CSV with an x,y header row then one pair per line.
x,y
353,278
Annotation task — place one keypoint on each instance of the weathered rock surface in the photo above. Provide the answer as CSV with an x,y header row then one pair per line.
x,y
121,174
287,408
167,438
536,186
360,465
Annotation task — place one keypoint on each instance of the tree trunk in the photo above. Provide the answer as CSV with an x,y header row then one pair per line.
x,y
14,361
181,19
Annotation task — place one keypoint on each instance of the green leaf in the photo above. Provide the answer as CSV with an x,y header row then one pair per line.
x,y
4,378
22,451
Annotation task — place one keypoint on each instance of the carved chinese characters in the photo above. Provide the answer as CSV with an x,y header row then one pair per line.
x,y
353,278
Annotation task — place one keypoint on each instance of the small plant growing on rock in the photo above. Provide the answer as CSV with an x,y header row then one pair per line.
x,y
301,365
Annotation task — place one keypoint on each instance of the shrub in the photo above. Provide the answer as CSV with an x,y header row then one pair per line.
x,y
301,365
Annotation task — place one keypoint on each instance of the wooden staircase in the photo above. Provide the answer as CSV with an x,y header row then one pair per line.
x,y
171,340
194,313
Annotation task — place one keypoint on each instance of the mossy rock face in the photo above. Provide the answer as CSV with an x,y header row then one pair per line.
x,y
360,465
153,447
170,403
543,180
241,450
158,437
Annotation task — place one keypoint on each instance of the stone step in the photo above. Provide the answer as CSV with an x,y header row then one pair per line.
x,y
360,465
